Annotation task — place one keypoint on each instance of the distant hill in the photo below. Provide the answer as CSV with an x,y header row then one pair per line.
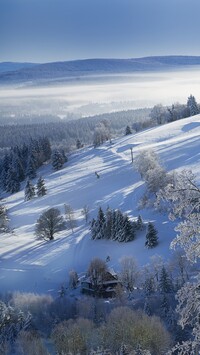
x,y
11,66
61,71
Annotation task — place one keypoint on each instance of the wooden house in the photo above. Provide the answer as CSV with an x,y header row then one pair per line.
x,y
104,287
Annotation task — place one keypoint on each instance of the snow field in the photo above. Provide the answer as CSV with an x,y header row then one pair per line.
x,y
32,265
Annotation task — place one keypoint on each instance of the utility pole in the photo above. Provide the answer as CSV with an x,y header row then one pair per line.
x,y
131,154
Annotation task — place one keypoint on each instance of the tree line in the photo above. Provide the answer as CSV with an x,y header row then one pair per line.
x,y
22,162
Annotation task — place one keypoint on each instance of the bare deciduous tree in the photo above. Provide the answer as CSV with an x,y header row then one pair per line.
x,y
129,272
96,272
85,212
69,215
73,279
49,223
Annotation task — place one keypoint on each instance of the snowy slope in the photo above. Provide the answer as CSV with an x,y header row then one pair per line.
x,y
27,264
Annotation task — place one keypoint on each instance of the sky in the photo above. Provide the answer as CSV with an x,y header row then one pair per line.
x,y
57,30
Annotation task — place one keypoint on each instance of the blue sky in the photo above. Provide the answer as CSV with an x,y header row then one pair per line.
x,y
53,30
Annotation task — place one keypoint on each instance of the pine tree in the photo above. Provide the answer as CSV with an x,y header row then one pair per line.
x,y
100,224
114,230
3,218
149,285
147,308
151,236
29,191
41,189
119,226
31,167
78,144
128,227
93,229
192,106
6,163
18,167
109,224
12,184
128,130
139,223
165,284
46,148
57,160
164,306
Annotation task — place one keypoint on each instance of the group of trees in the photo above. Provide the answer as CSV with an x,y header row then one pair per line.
x,y
58,158
148,165
146,324
124,332
182,196
179,194
131,276
66,133
161,114
12,321
101,133
114,225
21,162
30,190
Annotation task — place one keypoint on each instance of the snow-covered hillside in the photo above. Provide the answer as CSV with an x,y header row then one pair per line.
x,y
28,264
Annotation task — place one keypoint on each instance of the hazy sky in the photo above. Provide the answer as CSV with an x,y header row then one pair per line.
x,y
53,30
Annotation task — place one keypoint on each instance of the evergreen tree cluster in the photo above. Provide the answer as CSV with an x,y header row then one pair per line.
x,y
58,158
22,162
114,225
12,321
65,133
30,191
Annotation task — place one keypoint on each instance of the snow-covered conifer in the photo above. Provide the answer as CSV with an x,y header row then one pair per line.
x,y
165,283
151,236
128,229
128,130
139,223
192,106
108,224
41,188
119,226
3,218
31,167
29,190
93,228
100,222
164,306
12,182
149,285
57,160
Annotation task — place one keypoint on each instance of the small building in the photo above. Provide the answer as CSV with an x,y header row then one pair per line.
x,y
103,288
